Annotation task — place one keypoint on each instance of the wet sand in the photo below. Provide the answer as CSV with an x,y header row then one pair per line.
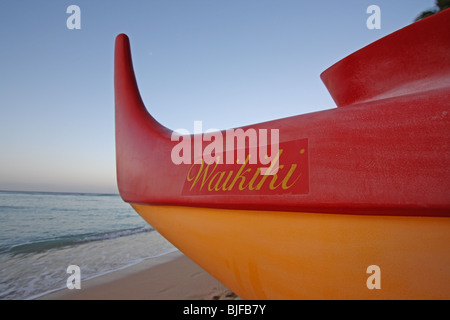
x,y
169,277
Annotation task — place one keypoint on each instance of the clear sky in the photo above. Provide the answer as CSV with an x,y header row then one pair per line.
x,y
225,62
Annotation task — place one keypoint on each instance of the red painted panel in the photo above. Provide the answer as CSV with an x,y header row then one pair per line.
x,y
387,152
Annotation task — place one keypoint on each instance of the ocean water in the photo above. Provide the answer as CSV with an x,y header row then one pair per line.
x,y
41,234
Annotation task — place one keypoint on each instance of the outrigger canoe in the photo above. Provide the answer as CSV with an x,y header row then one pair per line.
x,y
359,204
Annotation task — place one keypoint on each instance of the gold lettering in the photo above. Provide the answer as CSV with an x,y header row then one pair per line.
x,y
239,175
224,187
206,177
252,181
288,176
188,178
269,170
217,187
214,180
275,177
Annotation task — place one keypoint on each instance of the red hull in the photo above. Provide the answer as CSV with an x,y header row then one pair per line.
x,y
384,150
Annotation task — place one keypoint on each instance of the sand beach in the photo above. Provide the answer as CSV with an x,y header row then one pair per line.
x,y
169,277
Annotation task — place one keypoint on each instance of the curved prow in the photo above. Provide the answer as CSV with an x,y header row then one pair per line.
x,y
128,101
389,156
135,127
411,60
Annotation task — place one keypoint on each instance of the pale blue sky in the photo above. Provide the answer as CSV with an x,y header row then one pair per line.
x,y
225,62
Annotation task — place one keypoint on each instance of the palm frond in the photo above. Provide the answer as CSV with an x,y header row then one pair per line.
x,y
425,14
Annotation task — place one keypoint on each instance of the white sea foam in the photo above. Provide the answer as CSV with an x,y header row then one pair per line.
x,y
27,276
42,234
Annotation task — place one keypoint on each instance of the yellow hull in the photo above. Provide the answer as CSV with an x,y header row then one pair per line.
x,y
291,255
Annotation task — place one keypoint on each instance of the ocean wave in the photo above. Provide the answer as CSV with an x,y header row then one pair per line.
x,y
58,193
70,240
13,207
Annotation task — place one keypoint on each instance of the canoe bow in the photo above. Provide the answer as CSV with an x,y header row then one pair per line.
x,y
384,150
362,184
